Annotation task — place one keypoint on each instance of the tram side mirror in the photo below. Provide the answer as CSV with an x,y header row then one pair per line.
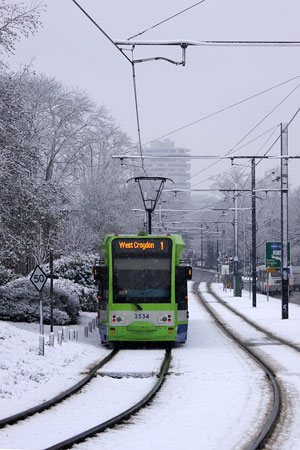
x,y
100,274
184,273
189,272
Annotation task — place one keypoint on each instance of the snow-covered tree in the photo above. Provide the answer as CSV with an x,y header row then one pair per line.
x,y
17,20
17,194
59,182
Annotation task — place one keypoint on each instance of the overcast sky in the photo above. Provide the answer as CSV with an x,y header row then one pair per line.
x,y
71,49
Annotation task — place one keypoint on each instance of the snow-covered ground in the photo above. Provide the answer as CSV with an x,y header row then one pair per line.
x,y
26,378
213,398
267,313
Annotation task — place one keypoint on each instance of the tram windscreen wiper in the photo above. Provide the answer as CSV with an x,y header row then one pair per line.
x,y
138,307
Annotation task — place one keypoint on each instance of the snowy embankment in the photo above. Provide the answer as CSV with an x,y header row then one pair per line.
x,y
27,378
267,314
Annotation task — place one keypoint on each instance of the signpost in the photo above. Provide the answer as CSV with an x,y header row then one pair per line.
x,y
274,258
38,279
273,255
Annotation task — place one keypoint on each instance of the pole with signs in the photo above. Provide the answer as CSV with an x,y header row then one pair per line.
x,y
235,223
274,260
38,279
284,224
41,314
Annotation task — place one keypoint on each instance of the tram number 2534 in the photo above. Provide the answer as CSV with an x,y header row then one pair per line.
x,y
140,316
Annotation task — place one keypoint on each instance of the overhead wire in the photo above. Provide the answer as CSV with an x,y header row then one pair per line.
x,y
137,112
257,153
273,129
100,29
262,180
234,148
276,140
133,75
219,111
286,126
166,20
264,144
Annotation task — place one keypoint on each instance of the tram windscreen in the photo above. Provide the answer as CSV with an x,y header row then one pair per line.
x,y
142,270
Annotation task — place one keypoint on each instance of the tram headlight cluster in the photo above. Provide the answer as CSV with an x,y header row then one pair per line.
x,y
116,318
166,318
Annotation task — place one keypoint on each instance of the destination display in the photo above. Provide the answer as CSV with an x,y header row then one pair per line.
x,y
153,246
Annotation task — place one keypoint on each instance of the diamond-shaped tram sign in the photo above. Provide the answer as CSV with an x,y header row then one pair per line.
x,y
38,278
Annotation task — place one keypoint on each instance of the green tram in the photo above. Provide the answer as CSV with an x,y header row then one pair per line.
x,y
142,289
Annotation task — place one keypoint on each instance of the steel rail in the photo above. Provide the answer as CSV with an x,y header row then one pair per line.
x,y
120,417
58,398
269,425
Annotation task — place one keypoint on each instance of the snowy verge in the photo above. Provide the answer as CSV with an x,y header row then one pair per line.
x,y
27,378
266,314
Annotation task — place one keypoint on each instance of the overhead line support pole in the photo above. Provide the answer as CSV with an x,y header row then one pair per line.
x,y
201,244
284,224
235,258
253,233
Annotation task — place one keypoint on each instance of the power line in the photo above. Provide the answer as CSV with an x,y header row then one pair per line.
x,y
115,43
166,20
133,75
276,140
265,143
192,43
219,111
273,129
288,124
234,148
100,29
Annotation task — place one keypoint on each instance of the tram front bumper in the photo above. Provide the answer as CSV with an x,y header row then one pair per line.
x,y
142,331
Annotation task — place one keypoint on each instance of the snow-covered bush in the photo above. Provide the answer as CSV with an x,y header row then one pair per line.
x,y
78,268
88,299
6,275
19,301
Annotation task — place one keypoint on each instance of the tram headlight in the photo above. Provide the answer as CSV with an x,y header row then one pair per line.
x,y
163,319
117,318
166,318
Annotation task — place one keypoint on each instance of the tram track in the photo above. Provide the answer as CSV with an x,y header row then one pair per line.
x,y
251,323
270,423
279,355
80,437
89,431
13,419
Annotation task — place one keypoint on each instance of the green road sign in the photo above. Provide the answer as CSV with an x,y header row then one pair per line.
x,y
273,254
